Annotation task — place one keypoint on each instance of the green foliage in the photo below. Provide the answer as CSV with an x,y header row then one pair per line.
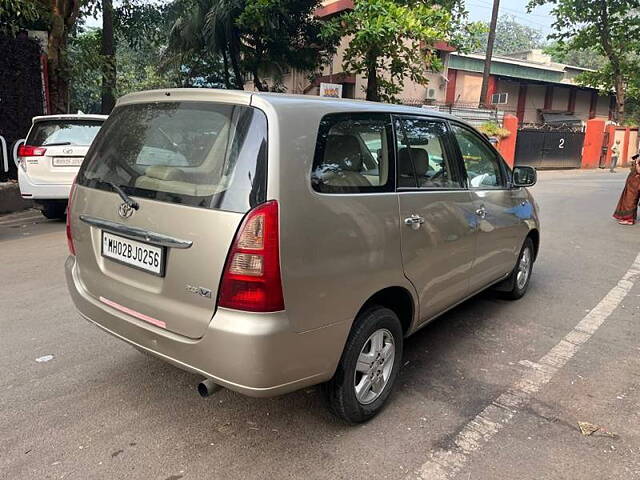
x,y
512,36
251,37
610,28
391,41
585,58
19,14
492,129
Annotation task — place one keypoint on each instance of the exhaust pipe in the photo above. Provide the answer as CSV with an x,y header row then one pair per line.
x,y
208,387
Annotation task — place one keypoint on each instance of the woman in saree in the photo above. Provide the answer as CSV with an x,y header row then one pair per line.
x,y
627,209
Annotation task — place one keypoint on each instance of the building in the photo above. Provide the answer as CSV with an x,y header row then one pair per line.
x,y
526,84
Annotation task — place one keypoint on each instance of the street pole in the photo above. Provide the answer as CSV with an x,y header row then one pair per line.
x,y
487,60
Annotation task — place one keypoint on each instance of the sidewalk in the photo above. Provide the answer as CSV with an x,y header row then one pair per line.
x,y
10,199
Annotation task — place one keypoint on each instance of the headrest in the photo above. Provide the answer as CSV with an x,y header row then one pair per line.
x,y
164,173
420,161
345,151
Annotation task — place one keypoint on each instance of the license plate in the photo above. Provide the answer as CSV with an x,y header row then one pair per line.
x,y
67,161
142,256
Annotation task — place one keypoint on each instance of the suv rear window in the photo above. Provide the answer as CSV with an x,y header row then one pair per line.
x,y
63,132
201,154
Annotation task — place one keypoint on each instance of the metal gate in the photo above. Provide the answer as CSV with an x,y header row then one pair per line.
x,y
549,148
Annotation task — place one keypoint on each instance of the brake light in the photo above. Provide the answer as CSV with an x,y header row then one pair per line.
x,y
251,279
30,151
72,248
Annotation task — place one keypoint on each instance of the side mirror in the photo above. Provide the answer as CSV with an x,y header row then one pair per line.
x,y
524,176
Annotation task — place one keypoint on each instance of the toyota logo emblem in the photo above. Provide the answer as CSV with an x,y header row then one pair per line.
x,y
125,210
67,150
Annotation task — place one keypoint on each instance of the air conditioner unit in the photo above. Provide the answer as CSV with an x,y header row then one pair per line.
x,y
499,98
431,94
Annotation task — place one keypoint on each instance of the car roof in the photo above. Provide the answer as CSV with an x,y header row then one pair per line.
x,y
278,101
69,116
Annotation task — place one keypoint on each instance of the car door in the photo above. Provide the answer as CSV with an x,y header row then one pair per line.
x,y
436,213
500,229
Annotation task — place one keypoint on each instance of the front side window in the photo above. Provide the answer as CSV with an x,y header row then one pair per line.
x,y
63,132
480,161
201,154
352,153
423,161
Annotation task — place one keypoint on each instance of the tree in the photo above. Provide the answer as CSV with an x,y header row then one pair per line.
x,y
512,36
584,58
392,40
109,59
607,27
256,37
17,14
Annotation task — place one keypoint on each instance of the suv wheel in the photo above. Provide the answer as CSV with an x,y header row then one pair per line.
x,y
517,284
368,368
54,210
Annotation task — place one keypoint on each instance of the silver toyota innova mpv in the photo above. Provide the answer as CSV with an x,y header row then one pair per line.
x,y
270,242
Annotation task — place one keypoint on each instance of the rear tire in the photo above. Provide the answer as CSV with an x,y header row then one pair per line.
x,y
368,367
516,285
54,210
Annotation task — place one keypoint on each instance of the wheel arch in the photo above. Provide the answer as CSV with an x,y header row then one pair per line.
x,y
534,235
398,299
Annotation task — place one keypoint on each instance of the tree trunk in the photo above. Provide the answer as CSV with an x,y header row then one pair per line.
x,y
225,66
620,99
109,59
373,94
234,54
260,86
58,82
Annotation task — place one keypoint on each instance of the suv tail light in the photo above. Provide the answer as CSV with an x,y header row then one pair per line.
x,y
72,248
251,279
30,151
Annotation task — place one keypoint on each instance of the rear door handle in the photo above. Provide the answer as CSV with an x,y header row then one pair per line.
x,y
481,212
414,221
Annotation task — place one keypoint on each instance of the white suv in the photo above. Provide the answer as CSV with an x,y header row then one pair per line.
x,y
50,158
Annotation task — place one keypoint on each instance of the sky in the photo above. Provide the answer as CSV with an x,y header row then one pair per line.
x,y
480,10
540,18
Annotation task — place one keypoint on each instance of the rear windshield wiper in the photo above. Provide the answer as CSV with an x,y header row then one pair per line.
x,y
56,144
125,198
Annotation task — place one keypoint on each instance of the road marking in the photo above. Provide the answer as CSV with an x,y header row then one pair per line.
x,y
445,464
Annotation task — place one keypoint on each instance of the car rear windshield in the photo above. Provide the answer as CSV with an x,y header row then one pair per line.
x,y
201,154
63,132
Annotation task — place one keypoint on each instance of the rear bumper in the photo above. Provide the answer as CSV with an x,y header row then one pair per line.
x,y
258,355
28,189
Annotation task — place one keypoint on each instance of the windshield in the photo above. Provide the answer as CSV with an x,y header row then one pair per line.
x,y
195,153
66,132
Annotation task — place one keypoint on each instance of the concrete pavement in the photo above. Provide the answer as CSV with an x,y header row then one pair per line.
x,y
99,409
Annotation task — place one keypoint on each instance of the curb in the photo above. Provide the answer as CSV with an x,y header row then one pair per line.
x,y
10,199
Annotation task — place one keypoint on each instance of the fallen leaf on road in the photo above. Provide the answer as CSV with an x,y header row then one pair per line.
x,y
44,358
588,429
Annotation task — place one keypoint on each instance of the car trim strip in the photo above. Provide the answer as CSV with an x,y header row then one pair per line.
x,y
136,233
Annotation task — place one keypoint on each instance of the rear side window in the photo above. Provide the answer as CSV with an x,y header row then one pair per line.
x,y
200,154
423,158
353,154
63,132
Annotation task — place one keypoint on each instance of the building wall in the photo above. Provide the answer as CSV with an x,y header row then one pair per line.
x,y
468,86
560,99
512,89
535,101
603,107
583,104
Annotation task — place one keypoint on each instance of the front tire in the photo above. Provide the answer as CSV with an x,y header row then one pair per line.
x,y
515,287
368,367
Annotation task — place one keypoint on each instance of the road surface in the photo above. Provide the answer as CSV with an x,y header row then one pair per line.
x,y
492,390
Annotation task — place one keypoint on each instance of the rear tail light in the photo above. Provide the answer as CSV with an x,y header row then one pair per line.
x,y
30,151
72,248
251,279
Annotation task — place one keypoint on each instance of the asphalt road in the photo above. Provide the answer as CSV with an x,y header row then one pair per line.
x,y
101,410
